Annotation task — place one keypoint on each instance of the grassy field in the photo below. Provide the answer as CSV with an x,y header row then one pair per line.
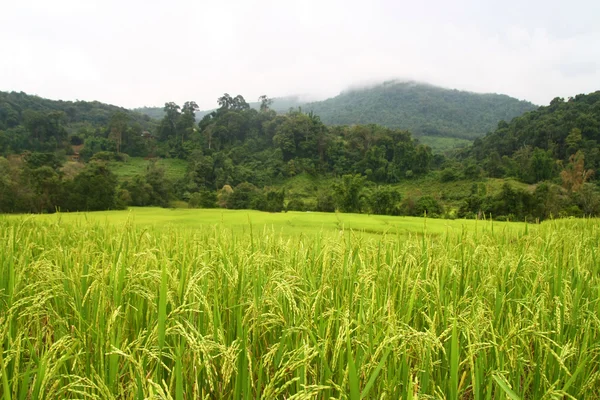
x,y
188,304
286,224
174,168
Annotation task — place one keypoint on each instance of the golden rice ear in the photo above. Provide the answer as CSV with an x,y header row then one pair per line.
x,y
332,306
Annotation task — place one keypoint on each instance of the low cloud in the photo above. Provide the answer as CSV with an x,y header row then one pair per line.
x,y
146,53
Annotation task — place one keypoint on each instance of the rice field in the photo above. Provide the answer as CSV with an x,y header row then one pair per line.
x,y
94,309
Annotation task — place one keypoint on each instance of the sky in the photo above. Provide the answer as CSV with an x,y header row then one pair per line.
x,y
145,53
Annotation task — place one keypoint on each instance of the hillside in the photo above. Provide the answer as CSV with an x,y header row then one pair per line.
x,y
535,146
563,127
429,112
423,109
14,104
32,123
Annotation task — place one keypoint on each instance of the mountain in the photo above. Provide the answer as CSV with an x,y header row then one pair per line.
x,y
428,111
14,104
423,109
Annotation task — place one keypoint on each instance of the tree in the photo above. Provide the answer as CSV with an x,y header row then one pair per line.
x,y
274,200
242,197
325,202
187,120
225,101
348,193
47,187
575,174
429,206
203,199
265,103
118,126
168,125
542,165
385,201
94,189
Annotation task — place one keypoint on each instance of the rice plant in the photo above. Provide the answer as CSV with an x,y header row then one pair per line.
x,y
96,311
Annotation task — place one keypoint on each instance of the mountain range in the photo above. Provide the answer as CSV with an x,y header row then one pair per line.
x,y
425,110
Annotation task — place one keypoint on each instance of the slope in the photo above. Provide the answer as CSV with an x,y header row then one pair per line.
x,y
423,109
14,104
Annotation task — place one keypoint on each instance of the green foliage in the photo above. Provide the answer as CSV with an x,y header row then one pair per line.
x,y
203,199
348,193
423,109
449,174
385,201
14,104
151,189
37,124
95,188
263,152
428,205
244,196
325,202
295,205
538,139
274,200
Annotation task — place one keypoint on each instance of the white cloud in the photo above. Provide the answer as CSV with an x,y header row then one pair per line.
x,y
136,53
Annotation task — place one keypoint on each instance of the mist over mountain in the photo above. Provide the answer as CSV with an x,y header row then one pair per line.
x,y
421,108
424,109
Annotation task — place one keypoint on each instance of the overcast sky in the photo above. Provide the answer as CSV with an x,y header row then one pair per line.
x,y
136,53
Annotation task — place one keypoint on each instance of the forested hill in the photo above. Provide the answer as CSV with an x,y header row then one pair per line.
x,y
420,108
15,107
32,123
536,144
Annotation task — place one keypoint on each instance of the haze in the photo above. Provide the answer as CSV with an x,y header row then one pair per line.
x,y
136,53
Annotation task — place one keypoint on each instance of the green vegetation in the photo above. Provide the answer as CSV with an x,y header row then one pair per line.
x,y
133,166
289,224
32,123
481,311
278,104
440,118
423,109
541,165
301,301
535,146
440,144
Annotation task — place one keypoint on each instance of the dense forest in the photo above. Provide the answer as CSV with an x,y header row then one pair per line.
x,y
56,155
423,109
535,145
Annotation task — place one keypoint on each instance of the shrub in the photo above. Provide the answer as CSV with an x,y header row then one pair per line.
x,y
449,175
296,205
429,205
325,202
203,199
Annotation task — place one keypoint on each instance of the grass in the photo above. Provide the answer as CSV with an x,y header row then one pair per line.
x,y
174,168
198,304
287,224
440,144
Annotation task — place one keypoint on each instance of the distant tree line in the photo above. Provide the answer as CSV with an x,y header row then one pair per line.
x,y
240,157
